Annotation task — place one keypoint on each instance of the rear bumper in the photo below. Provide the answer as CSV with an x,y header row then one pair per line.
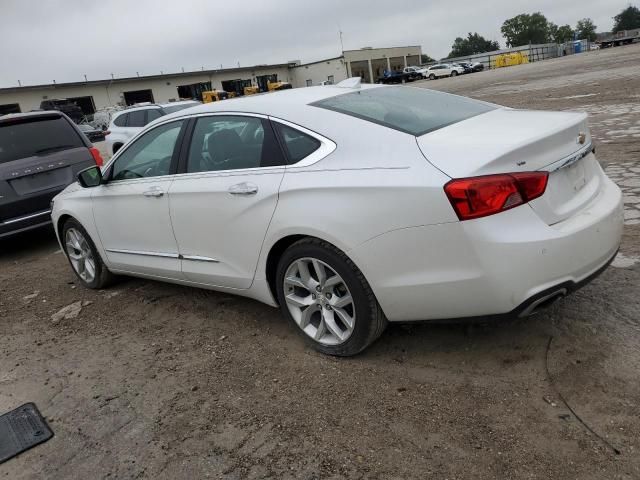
x,y
498,265
23,223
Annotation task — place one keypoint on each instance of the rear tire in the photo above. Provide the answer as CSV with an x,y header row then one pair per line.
x,y
83,256
334,310
454,73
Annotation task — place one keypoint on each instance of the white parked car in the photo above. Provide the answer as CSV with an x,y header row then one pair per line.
x,y
125,124
350,206
444,70
417,71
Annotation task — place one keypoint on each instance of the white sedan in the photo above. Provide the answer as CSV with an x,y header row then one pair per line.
x,y
352,205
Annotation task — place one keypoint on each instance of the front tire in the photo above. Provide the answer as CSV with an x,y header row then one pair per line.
x,y
328,300
83,256
432,77
454,73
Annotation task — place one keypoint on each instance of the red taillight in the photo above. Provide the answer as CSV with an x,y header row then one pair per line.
x,y
95,153
477,197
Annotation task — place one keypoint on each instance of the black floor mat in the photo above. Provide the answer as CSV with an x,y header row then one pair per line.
x,y
20,430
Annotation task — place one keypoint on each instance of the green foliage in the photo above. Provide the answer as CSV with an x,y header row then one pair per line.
x,y
471,45
424,58
560,34
524,29
585,28
627,19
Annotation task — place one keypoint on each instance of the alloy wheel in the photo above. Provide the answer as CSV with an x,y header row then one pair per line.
x,y
80,254
319,301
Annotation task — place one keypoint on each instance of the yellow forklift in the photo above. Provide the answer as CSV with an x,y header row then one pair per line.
x,y
252,90
273,86
215,96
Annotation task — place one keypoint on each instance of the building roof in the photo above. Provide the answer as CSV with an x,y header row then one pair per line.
x,y
382,48
111,81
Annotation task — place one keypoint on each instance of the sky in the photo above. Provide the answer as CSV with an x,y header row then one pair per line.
x,y
63,40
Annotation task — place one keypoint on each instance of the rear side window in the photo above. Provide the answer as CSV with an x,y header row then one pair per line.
x,y
297,144
35,136
416,111
121,120
153,114
137,119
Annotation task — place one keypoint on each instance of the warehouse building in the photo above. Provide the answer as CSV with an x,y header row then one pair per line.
x,y
368,63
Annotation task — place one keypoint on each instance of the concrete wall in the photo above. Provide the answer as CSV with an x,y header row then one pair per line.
x,y
111,93
366,62
319,72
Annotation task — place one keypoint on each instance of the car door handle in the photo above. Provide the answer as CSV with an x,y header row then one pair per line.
x,y
153,192
243,188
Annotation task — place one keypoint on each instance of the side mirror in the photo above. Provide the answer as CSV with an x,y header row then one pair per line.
x,y
90,177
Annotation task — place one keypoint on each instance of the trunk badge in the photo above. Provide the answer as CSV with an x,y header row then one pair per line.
x,y
582,137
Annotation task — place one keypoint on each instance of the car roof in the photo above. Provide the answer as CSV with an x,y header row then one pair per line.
x,y
179,102
39,113
291,104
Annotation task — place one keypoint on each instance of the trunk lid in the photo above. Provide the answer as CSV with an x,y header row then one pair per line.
x,y
509,141
28,185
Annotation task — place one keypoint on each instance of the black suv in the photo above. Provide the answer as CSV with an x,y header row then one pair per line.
x,y
40,154
69,108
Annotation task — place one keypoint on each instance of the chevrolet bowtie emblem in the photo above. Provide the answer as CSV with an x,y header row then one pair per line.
x,y
582,137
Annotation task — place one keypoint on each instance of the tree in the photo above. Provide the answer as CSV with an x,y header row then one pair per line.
x,y
424,58
471,45
586,29
627,19
524,29
560,34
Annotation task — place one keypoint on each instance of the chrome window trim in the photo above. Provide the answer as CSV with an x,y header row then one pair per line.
x,y
326,148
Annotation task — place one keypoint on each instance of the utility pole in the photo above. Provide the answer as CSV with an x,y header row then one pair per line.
x,y
19,84
112,76
85,78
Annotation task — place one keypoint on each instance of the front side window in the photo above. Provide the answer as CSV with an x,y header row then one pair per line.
x,y
297,144
137,119
150,155
231,143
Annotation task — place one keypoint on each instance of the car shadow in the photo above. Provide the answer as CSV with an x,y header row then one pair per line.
x,y
23,244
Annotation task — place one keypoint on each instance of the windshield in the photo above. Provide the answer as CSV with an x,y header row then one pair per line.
x,y
181,106
36,136
411,110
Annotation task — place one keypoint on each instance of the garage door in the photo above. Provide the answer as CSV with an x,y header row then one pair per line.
x,y
138,96
85,103
9,108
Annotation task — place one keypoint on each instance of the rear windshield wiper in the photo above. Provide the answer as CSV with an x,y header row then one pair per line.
x,y
52,149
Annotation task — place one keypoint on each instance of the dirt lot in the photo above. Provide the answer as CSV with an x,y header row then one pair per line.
x,y
159,381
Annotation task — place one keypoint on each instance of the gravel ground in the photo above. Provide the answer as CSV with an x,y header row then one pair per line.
x,y
161,381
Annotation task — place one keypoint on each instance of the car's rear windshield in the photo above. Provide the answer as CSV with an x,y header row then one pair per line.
x,y
32,136
411,110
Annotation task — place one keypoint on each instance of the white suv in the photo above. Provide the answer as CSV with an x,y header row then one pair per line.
x,y
443,70
127,123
